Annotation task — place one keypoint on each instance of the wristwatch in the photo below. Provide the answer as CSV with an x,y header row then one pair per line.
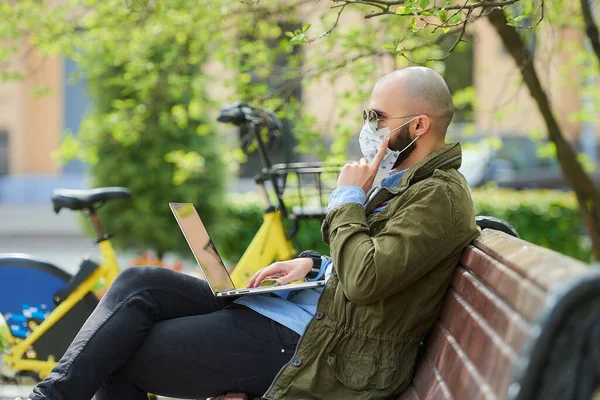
x,y
316,257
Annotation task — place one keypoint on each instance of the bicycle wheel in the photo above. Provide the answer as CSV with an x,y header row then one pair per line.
x,y
27,289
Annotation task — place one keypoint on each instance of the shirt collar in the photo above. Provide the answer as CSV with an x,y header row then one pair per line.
x,y
393,179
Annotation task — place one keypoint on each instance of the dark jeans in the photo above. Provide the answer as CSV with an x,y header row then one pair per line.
x,y
163,332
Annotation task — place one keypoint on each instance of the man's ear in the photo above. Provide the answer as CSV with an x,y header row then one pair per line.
x,y
423,123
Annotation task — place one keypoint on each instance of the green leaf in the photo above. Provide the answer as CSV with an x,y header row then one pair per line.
x,y
424,3
586,163
388,47
455,19
469,129
245,78
305,27
68,150
195,109
299,39
413,25
547,150
42,92
181,37
443,16
519,18
402,11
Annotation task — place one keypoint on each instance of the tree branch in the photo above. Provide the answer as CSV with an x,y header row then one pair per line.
x,y
328,32
591,29
385,5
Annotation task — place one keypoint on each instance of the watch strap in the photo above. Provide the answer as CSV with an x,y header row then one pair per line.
x,y
316,257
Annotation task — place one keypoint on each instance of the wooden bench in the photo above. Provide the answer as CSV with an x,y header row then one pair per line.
x,y
519,321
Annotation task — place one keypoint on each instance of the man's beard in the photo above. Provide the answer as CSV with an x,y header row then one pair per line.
x,y
399,141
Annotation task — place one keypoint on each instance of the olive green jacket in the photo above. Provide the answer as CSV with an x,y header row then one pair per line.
x,y
391,270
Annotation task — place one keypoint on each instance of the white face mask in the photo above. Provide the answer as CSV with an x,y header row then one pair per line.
x,y
371,141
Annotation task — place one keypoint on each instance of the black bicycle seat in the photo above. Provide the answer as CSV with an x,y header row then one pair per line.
x,y
86,199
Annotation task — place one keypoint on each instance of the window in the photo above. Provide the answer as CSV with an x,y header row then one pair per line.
x,y
75,107
3,153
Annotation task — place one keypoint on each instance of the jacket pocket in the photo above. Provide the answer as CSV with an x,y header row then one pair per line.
x,y
360,372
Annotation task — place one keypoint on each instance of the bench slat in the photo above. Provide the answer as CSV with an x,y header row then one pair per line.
x,y
503,319
485,349
522,295
429,383
455,368
545,267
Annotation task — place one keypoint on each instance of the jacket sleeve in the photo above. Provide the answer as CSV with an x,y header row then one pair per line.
x,y
413,241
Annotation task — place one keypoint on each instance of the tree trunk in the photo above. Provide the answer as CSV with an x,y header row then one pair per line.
x,y
587,194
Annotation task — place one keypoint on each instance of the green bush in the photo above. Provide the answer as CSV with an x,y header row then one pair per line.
x,y
548,218
149,132
544,217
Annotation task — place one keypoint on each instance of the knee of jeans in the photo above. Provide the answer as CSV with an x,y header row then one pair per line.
x,y
140,277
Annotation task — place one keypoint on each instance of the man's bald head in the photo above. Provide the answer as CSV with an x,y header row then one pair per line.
x,y
419,90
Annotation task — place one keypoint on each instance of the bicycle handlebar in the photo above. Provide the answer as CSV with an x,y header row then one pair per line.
x,y
240,114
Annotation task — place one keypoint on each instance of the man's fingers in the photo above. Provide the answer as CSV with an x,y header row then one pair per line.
x,y
251,282
284,280
288,278
380,154
363,161
260,276
256,275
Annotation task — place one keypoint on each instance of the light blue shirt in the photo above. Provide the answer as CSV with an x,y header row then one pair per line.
x,y
294,309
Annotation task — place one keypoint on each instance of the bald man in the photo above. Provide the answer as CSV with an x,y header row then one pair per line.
x,y
394,247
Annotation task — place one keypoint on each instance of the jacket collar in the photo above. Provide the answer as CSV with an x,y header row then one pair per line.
x,y
447,157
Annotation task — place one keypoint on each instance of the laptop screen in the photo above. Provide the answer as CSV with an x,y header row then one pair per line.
x,y
202,246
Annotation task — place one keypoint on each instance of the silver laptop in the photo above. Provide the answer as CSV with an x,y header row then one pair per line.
x,y
210,261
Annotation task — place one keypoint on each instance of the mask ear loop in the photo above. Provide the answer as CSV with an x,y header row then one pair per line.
x,y
414,140
407,146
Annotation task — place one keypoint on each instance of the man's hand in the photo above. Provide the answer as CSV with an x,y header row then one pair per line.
x,y
362,174
283,272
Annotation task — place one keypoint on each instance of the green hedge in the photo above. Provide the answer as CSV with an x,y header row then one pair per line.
x,y
544,217
547,218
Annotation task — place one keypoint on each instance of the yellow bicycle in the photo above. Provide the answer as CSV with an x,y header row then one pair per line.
x,y
41,306
312,181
